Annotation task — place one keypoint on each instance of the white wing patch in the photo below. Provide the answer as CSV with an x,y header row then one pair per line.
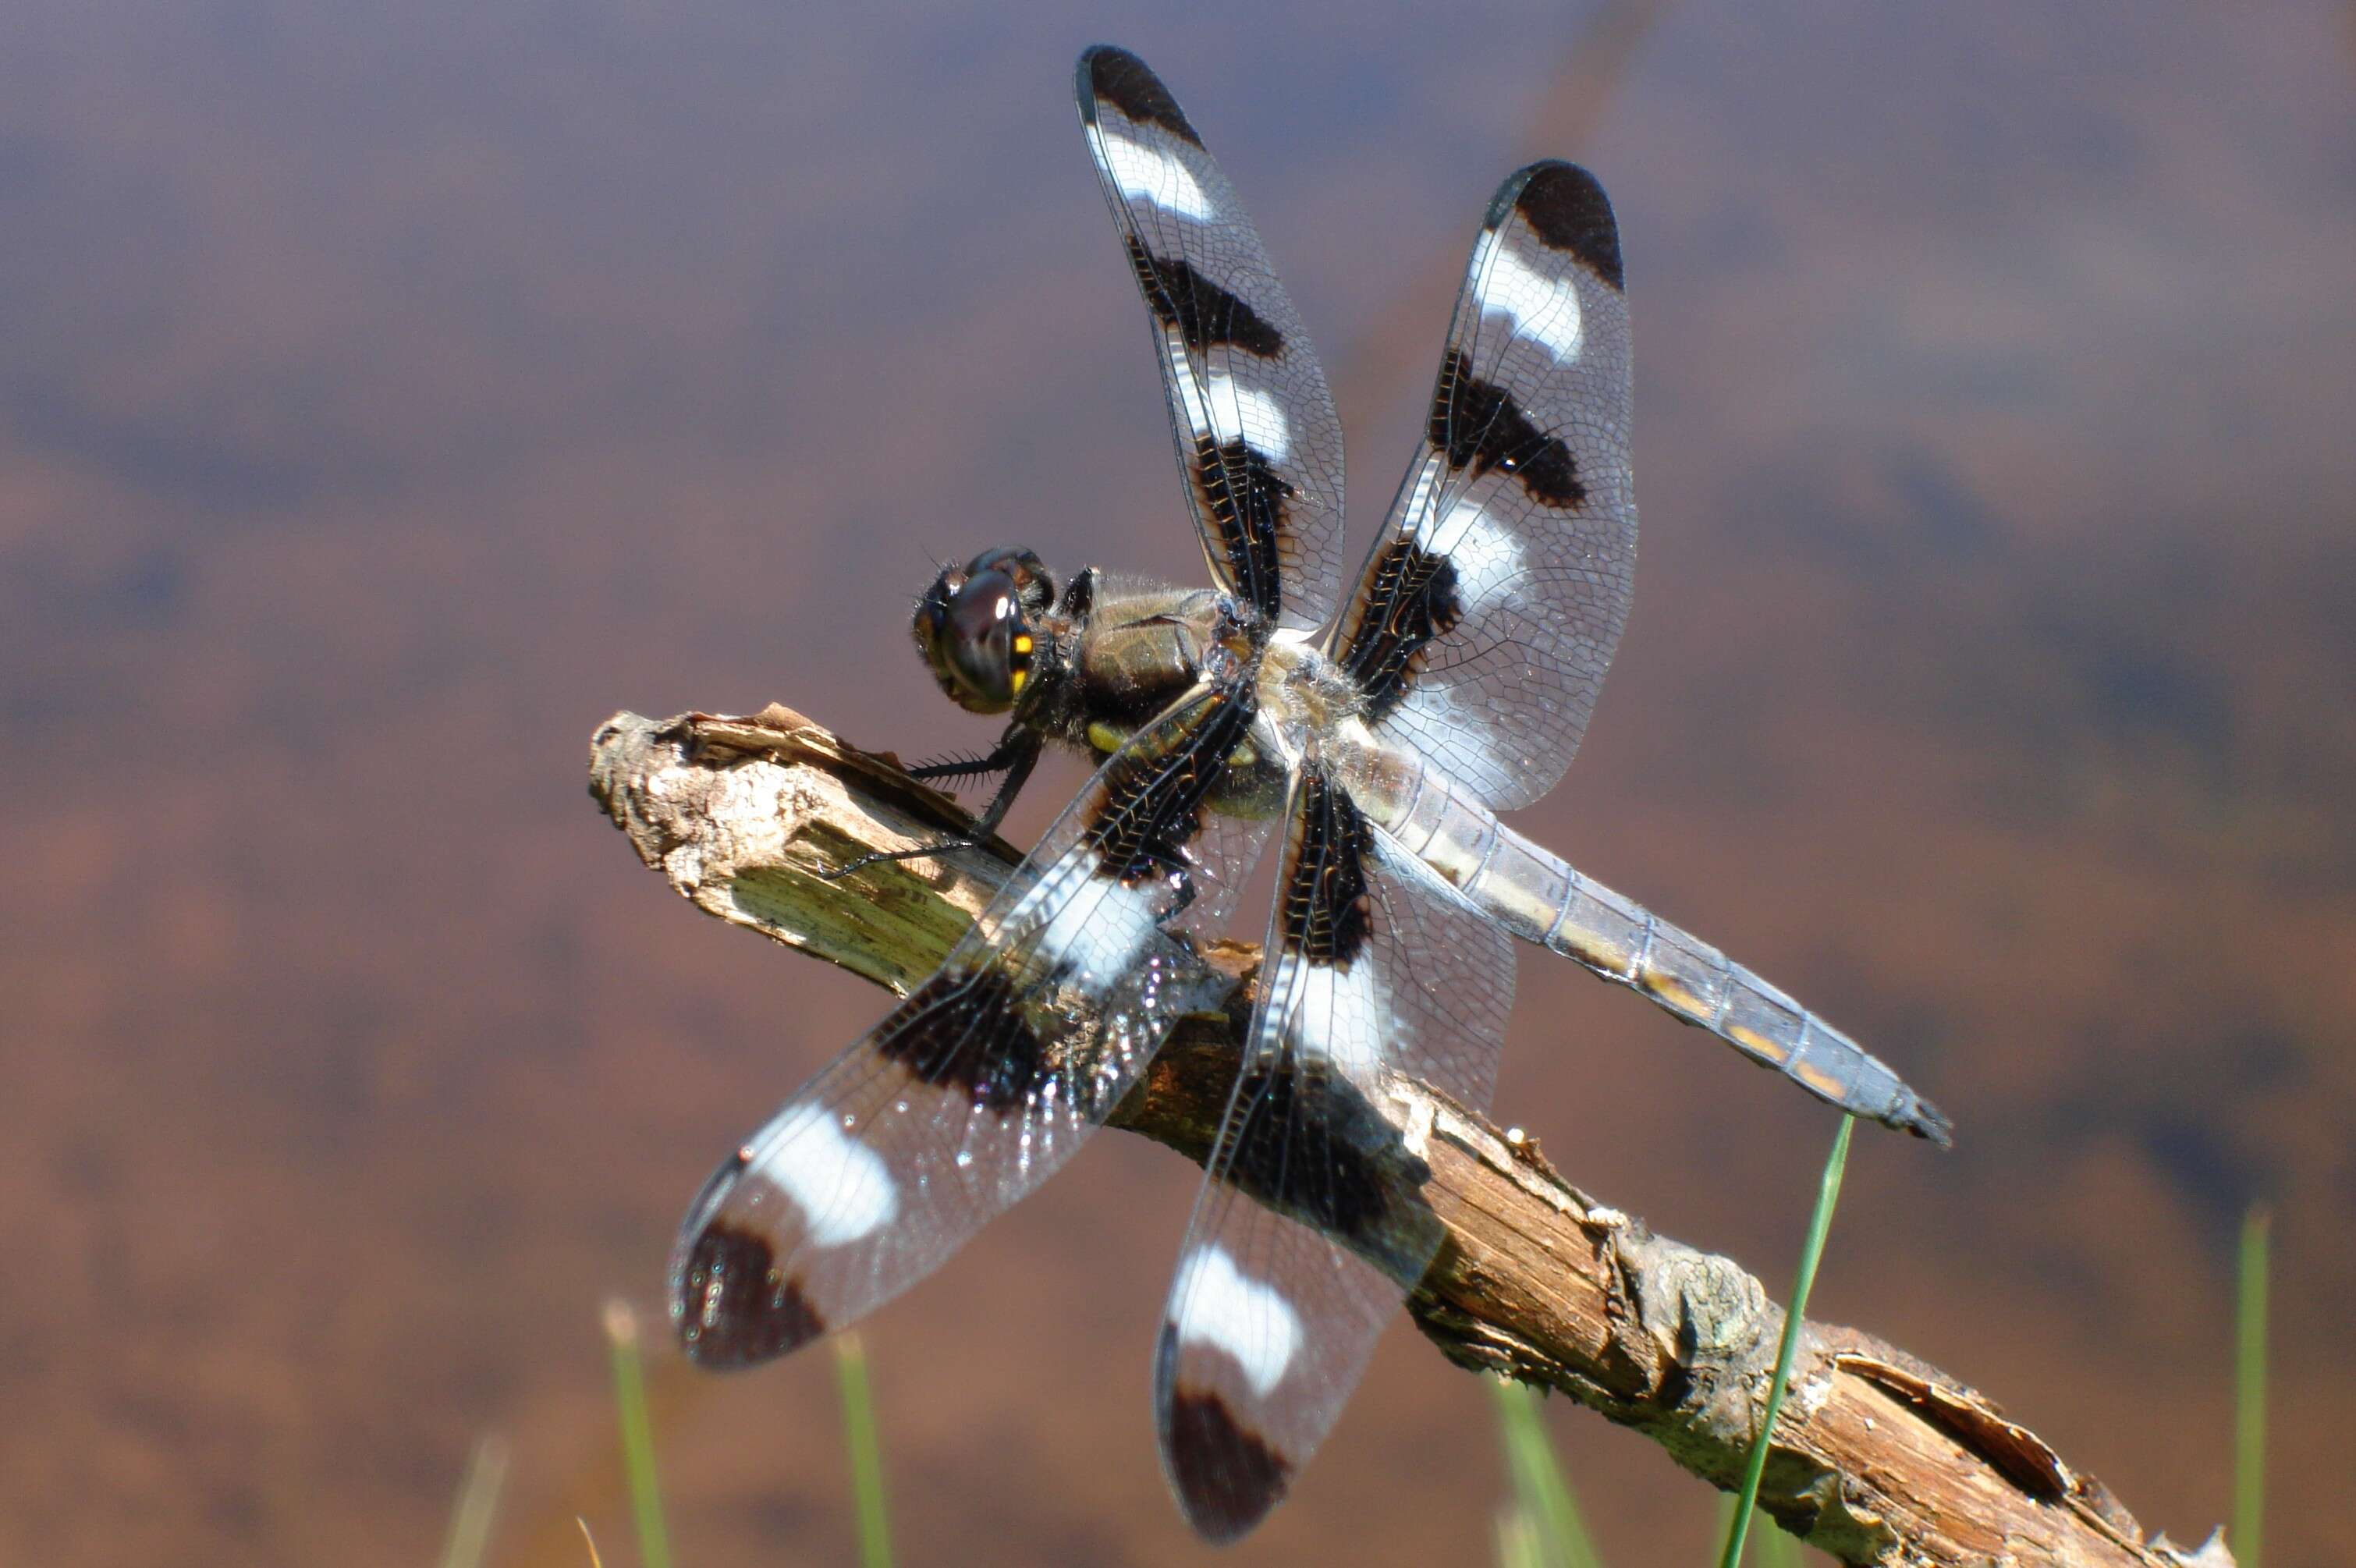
x,y
1244,413
1487,557
843,1189
1338,1014
1230,410
1545,309
1095,934
1226,1309
1146,174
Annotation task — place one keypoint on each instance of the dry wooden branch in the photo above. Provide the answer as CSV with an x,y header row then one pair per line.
x,y
1877,1458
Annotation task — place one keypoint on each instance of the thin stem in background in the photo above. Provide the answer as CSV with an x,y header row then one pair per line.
x,y
2250,1388
866,1452
1542,1497
1726,1523
1518,1540
479,1501
637,1434
1820,1224
1773,1549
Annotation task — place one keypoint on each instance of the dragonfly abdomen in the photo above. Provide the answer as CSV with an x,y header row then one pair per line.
x,y
1544,899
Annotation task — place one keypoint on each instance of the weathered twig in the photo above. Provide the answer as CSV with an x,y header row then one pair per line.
x,y
1877,1458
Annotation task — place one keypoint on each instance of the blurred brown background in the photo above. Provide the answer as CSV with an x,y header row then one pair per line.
x,y
388,393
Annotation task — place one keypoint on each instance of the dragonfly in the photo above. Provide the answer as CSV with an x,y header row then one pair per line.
x,y
1376,734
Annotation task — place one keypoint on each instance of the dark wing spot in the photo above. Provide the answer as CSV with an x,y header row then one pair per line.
x,y
1129,84
1568,211
1204,313
1327,911
1479,426
1412,600
1351,1175
1228,1475
734,1306
966,1029
1150,804
1246,502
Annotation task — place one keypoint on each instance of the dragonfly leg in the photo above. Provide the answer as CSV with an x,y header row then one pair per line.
x,y
1016,755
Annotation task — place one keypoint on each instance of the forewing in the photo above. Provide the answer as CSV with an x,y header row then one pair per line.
x,y
1311,1228
1257,436
982,1082
1489,611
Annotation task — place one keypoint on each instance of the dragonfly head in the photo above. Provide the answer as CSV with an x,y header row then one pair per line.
x,y
977,628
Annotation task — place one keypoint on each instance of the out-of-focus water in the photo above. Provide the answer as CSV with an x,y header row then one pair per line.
x,y
387,394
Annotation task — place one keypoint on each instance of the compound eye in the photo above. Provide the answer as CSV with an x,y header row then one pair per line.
x,y
988,643
1034,591
978,608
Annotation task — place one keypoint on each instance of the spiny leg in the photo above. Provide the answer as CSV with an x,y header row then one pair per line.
x,y
1017,753
957,769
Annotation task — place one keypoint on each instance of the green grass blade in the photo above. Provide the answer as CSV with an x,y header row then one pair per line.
x,y
1773,1549
866,1452
477,1503
1541,1496
1726,1522
2250,1388
1518,1540
1820,1224
637,1434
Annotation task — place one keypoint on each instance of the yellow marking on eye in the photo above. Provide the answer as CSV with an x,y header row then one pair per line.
x,y
1103,736
1820,1081
1018,678
1757,1044
1022,644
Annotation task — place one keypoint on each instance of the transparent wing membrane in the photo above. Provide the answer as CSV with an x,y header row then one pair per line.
x,y
1257,439
1489,611
986,1078
1311,1227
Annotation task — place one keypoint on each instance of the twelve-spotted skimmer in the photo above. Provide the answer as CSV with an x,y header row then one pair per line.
x,y
1383,733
